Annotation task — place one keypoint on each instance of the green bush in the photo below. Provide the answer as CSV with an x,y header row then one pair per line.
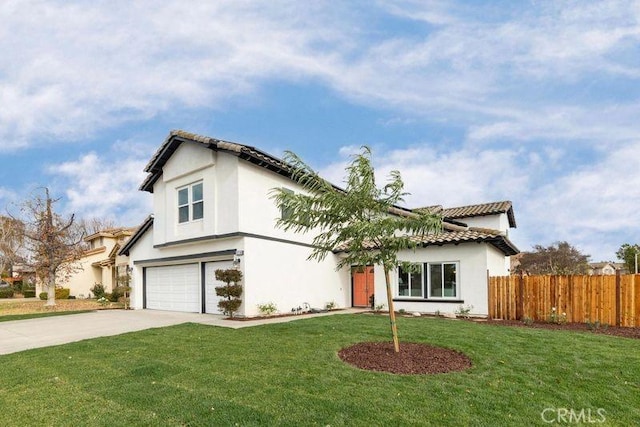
x,y
43,296
118,292
29,293
98,291
62,293
17,286
6,293
231,291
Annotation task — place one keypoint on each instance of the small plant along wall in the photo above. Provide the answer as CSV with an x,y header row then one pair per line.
x,y
230,292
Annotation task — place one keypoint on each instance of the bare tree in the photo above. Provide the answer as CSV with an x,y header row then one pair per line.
x,y
11,242
94,225
53,242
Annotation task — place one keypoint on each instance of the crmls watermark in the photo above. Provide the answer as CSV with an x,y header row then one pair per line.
x,y
573,416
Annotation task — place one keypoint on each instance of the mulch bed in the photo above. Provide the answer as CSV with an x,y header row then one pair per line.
x,y
578,327
413,358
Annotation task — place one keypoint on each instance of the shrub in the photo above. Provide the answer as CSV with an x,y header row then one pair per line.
x,y
268,309
29,293
43,296
17,286
556,317
62,293
118,292
231,291
463,311
6,293
330,305
98,290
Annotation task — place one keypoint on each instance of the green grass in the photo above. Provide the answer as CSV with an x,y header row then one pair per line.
x,y
11,317
289,374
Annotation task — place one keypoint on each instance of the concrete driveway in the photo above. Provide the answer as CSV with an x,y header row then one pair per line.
x,y
19,335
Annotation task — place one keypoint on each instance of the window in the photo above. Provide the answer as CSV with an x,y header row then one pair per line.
x,y
428,280
190,203
286,211
410,280
443,279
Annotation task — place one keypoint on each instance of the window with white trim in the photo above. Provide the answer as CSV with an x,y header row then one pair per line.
x,y
190,203
431,280
443,279
410,280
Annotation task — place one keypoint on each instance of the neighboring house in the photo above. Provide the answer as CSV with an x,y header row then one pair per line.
x,y
99,264
213,210
606,268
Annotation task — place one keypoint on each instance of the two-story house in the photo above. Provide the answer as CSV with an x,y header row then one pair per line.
x,y
212,209
99,263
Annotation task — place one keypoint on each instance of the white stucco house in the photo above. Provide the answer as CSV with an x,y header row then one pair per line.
x,y
212,209
99,264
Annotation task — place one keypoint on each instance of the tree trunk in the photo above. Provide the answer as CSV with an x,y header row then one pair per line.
x,y
392,313
51,290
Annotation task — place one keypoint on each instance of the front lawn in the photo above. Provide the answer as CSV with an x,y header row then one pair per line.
x,y
289,374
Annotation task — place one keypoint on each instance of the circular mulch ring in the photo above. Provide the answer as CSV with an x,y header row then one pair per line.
x,y
414,358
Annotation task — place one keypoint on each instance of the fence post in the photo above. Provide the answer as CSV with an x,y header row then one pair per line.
x,y
520,297
618,302
490,296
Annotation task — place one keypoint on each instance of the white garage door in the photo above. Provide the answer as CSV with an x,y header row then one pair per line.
x,y
174,288
210,281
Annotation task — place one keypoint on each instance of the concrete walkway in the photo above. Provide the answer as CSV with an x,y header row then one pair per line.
x,y
19,335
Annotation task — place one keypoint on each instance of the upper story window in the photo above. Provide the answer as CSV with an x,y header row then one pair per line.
x,y
190,203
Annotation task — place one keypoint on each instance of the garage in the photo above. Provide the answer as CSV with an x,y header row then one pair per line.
x,y
173,288
211,299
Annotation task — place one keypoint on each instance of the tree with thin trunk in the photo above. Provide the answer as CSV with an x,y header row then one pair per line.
x,y
362,220
54,243
11,242
629,254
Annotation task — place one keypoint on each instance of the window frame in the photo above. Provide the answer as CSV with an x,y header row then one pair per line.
x,y
429,285
426,285
190,203
410,276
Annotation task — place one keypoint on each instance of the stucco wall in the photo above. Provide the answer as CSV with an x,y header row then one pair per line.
x,y
472,278
497,222
143,254
280,273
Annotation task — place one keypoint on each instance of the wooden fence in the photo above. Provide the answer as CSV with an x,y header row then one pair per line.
x,y
611,300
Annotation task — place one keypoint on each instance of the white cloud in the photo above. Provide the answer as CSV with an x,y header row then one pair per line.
x,y
104,186
77,68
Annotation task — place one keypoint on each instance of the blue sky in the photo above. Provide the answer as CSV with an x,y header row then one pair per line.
x,y
536,102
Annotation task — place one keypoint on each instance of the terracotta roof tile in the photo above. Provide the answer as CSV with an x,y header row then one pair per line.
x,y
453,237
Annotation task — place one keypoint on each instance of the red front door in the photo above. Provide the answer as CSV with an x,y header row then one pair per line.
x,y
363,286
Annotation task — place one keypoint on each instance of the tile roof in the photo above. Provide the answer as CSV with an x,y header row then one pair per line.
x,y
146,225
478,235
177,137
482,209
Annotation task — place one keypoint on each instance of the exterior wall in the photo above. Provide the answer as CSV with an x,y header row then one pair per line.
x,y
85,277
280,273
257,212
143,254
472,278
188,164
497,222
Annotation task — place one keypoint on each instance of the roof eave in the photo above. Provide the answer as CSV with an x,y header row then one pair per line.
x,y
146,225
